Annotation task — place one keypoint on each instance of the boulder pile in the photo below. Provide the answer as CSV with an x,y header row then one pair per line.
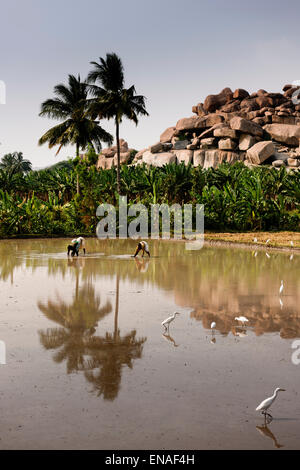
x,y
233,126
108,156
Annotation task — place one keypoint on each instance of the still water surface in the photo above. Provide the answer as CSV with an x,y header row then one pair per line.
x,y
90,367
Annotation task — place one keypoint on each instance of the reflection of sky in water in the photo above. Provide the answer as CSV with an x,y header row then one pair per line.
x,y
97,320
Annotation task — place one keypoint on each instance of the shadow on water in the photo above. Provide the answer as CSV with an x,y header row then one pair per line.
x,y
100,358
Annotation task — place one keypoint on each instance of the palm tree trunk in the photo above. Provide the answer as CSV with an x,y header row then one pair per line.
x,y
116,329
118,157
77,177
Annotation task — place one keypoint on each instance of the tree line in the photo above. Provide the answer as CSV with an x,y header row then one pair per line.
x,y
236,198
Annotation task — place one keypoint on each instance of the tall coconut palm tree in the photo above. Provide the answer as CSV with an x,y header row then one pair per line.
x,y
111,99
70,106
15,163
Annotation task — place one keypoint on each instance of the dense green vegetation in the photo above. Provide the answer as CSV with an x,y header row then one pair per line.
x,y
235,197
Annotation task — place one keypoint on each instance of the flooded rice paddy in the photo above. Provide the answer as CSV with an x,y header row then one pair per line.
x,y
89,366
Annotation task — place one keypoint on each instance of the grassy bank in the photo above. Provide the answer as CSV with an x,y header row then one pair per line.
x,y
276,239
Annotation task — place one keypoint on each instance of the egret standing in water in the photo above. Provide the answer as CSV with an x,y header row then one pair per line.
x,y
243,320
265,404
212,327
166,323
281,288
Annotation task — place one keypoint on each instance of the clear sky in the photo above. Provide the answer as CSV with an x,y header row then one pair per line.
x,y
175,52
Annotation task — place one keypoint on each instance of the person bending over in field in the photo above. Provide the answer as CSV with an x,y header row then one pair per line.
x,y
142,246
75,246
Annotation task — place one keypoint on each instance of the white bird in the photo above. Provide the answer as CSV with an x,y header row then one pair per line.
x,y
267,255
265,404
167,321
268,241
281,288
241,334
292,243
255,240
213,325
243,320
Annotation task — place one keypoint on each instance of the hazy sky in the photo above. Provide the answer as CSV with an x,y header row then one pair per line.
x,y
175,52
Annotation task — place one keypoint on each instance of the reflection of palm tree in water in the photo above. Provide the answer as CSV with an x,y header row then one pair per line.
x,y
78,322
81,349
268,433
109,354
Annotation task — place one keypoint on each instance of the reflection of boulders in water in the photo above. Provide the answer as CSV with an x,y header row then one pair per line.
x,y
217,283
226,287
260,322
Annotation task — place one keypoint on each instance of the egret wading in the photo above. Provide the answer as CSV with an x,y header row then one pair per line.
x,y
213,325
265,404
166,323
243,320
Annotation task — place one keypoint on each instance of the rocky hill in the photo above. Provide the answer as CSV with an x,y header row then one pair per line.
x,y
233,126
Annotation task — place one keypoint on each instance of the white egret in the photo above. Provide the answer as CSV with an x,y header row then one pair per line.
x,y
292,243
255,240
267,255
241,334
243,320
268,241
167,321
281,288
265,404
213,325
